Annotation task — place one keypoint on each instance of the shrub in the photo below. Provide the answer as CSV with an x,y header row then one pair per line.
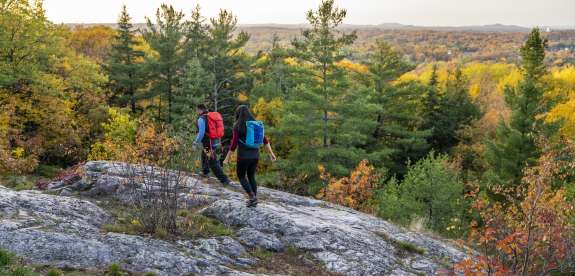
x,y
114,270
6,258
353,191
197,225
54,272
431,190
533,234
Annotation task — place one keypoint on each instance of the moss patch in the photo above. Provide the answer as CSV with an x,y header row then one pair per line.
x,y
191,224
291,261
195,225
402,245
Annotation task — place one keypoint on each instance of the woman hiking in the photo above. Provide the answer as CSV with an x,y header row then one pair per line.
x,y
247,137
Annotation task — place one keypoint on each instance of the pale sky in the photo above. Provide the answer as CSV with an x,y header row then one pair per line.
x,y
526,13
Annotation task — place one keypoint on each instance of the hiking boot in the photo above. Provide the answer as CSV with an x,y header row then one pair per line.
x,y
252,202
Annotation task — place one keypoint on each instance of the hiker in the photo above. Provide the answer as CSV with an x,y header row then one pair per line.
x,y
210,131
248,136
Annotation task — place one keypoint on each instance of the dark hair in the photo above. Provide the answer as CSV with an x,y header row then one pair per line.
x,y
202,107
242,115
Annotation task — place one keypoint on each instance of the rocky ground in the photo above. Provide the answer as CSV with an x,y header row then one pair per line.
x,y
66,231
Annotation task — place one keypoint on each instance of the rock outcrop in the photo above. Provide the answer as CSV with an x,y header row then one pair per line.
x,y
65,231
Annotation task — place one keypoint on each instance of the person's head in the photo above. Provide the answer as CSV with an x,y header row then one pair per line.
x,y
201,108
243,115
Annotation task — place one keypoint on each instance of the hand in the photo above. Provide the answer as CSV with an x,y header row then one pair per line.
x,y
273,157
227,160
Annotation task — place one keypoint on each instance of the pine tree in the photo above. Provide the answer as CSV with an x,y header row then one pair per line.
x,y
447,109
228,65
123,69
431,104
196,35
458,111
166,37
513,148
396,138
191,91
322,47
325,116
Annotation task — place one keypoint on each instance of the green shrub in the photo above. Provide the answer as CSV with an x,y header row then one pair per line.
x,y
47,171
23,271
6,258
19,182
114,270
54,272
432,190
197,225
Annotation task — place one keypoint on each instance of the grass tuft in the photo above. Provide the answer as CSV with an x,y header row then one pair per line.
x,y
403,245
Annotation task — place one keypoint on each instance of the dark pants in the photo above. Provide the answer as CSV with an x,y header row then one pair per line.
x,y
212,163
246,170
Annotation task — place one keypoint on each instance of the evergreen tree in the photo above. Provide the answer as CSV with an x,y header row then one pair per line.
x,y
273,77
123,69
196,35
431,106
228,65
325,117
513,148
191,91
458,111
323,47
431,190
396,138
447,110
166,37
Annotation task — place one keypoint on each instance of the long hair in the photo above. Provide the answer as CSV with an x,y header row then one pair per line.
x,y
243,115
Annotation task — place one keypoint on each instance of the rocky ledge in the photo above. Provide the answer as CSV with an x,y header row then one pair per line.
x,y
66,231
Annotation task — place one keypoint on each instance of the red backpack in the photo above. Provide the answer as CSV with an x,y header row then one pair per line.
x,y
215,125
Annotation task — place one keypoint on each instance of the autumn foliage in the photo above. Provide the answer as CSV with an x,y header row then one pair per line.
x,y
532,236
352,191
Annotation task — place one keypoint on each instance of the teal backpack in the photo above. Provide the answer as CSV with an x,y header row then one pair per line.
x,y
254,134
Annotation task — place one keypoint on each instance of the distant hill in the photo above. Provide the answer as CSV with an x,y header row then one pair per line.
x,y
383,26
494,42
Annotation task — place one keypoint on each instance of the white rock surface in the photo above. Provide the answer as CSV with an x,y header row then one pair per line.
x,y
65,232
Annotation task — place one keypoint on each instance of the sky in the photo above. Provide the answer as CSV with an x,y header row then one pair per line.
x,y
526,13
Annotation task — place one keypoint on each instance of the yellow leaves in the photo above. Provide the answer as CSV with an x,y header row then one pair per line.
x,y
351,66
353,191
291,61
266,111
510,80
564,112
18,152
474,90
261,60
563,83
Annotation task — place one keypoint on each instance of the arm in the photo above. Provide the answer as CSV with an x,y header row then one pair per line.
x,y
201,130
233,146
269,149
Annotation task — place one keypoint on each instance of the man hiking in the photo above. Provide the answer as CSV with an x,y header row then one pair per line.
x,y
248,136
210,131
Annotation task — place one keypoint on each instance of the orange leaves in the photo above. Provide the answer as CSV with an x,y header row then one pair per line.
x,y
533,235
353,191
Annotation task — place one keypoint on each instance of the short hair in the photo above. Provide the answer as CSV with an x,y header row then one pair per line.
x,y
201,107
